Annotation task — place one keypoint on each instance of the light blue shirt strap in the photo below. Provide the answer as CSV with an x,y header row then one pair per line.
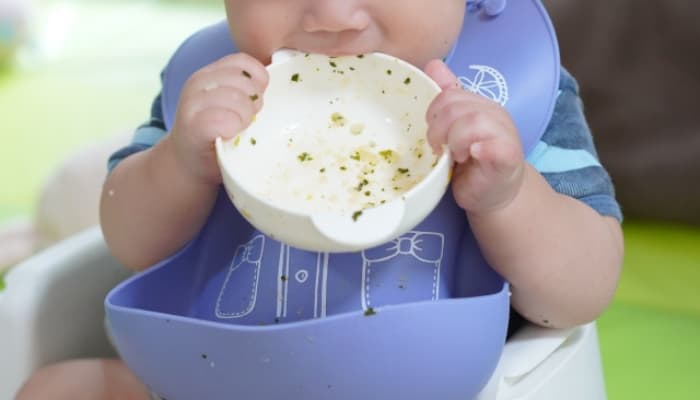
x,y
566,155
145,136
148,135
546,158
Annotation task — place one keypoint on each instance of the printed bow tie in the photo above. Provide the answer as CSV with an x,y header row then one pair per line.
x,y
424,246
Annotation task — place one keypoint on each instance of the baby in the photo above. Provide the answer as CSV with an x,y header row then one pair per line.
x,y
553,235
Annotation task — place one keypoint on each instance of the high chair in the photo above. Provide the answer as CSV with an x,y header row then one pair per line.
x,y
52,310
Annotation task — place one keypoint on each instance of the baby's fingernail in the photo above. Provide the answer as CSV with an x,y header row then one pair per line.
x,y
475,150
460,158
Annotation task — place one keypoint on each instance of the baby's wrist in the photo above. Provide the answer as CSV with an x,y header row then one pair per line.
x,y
171,165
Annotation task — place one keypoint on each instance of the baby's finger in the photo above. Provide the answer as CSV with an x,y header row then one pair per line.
x,y
476,125
497,159
219,121
243,65
441,113
232,99
449,106
497,155
227,78
441,74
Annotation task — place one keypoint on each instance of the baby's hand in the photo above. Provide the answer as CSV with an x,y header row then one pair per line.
x,y
218,100
482,139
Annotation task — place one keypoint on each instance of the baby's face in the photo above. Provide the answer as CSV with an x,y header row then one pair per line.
x,y
414,30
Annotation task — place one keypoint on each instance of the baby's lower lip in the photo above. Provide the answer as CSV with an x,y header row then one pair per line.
x,y
339,52
344,52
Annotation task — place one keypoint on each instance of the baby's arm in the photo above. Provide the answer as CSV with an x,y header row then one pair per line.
x,y
561,257
155,201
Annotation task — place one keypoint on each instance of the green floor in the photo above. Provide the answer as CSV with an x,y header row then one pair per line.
x,y
650,336
99,80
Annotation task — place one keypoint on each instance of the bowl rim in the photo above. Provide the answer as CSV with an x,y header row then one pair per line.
x,y
443,160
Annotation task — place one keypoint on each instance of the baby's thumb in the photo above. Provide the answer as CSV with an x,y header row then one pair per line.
x,y
441,74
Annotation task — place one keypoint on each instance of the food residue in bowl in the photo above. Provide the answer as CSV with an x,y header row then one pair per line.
x,y
337,151
330,170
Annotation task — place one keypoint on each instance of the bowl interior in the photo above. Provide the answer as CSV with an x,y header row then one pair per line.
x,y
336,134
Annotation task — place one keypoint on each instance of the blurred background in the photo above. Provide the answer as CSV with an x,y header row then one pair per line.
x,y
77,76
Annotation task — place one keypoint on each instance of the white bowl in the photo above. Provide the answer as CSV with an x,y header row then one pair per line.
x,y
338,159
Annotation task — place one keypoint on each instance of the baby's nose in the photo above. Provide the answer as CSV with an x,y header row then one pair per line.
x,y
335,16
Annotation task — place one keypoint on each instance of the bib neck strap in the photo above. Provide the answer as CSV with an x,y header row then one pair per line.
x,y
509,54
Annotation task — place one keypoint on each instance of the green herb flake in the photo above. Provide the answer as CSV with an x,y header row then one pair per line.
x,y
355,156
2,282
246,74
356,215
403,170
338,119
253,141
295,78
333,64
360,56
370,312
389,72
343,168
407,81
322,170
387,155
304,157
254,97
361,185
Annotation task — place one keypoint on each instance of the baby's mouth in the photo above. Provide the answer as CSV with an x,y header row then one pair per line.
x,y
338,44
337,52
